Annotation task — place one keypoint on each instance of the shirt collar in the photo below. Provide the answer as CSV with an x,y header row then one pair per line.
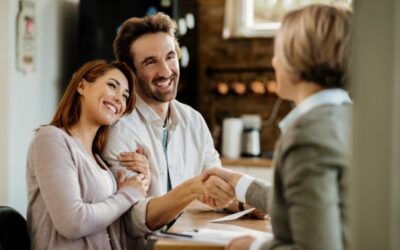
x,y
324,97
151,116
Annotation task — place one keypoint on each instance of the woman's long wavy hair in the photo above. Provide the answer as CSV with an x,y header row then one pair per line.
x,y
69,109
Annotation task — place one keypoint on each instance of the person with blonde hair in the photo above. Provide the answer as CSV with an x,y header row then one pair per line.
x,y
74,201
306,202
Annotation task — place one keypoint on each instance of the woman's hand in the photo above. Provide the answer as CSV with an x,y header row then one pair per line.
x,y
138,182
137,162
256,213
240,243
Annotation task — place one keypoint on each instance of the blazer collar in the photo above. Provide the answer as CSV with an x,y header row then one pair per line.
x,y
334,96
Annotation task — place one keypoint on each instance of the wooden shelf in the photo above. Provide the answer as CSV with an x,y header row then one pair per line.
x,y
250,162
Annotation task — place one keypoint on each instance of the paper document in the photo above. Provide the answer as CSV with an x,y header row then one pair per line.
x,y
233,216
217,236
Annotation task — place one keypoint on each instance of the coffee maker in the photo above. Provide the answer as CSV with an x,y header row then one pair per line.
x,y
251,135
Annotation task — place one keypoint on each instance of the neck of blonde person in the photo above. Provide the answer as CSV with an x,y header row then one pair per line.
x,y
305,89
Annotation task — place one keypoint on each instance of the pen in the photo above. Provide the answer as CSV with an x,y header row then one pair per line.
x,y
170,224
177,234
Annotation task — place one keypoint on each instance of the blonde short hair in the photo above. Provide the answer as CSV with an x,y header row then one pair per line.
x,y
313,44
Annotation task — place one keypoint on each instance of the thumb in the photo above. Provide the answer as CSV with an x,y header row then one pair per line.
x,y
140,150
121,177
205,175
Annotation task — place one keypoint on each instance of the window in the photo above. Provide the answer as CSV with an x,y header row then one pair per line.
x,y
261,18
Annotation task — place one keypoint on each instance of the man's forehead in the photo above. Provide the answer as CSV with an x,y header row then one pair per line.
x,y
153,44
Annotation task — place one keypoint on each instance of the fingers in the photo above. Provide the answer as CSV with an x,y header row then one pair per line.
x,y
243,242
132,157
139,177
207,200
143,169
220,191
138,182
135,161
216,185
140,150
229,176
121,178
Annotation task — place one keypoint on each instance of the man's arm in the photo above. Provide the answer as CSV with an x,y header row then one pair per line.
x,y
163,209
118,142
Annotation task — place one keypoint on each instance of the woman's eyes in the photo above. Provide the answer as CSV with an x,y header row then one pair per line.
x,y
126,97
112,85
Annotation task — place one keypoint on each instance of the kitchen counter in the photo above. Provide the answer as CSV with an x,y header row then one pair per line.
x,y
251,162
256,167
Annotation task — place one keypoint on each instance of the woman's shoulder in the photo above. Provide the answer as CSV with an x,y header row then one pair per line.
x,y
50,139
50,133
50,130
323,125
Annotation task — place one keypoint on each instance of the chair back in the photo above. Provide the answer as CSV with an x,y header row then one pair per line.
x,y
13,230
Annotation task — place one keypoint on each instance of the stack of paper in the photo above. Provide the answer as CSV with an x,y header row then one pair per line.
x,y
213,235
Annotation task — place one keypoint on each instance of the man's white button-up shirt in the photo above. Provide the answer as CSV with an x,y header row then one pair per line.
x,y
190,149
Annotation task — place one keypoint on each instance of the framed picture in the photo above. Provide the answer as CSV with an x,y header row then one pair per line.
x,y
26,36
261,18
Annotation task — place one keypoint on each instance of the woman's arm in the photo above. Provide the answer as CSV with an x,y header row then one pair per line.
x,y
59,183
312,195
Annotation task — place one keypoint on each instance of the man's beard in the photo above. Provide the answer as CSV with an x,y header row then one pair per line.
x,y
147,91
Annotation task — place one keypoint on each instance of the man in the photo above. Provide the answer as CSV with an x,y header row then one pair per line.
x,y
173,136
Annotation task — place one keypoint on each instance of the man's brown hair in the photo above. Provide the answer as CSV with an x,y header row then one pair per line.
x,y
135,27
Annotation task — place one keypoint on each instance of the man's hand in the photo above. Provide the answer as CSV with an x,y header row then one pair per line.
x,y
220,192
229,176
240,243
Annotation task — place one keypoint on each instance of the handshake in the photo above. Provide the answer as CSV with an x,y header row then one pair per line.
x,y
217,187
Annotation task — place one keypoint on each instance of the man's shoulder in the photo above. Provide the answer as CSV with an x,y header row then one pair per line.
x,y
127,121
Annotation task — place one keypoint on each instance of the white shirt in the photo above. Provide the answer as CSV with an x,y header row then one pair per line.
x,y
190,149
323,97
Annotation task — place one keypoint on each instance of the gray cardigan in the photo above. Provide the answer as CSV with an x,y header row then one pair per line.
x,y
67,206
307,202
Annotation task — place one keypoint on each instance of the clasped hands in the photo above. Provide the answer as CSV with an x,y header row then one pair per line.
x,y
219,187
136,162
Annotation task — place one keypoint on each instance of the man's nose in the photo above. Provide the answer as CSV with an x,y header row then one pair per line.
x,y
164,70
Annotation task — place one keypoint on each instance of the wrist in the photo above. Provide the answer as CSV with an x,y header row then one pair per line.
x,y
234,180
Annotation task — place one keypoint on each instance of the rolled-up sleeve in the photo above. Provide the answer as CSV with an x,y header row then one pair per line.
x,y
136,219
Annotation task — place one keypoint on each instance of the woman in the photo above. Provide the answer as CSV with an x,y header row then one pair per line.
x,y
74,201
308,208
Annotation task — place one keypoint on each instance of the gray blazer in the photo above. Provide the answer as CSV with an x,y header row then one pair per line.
x,y
307,202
